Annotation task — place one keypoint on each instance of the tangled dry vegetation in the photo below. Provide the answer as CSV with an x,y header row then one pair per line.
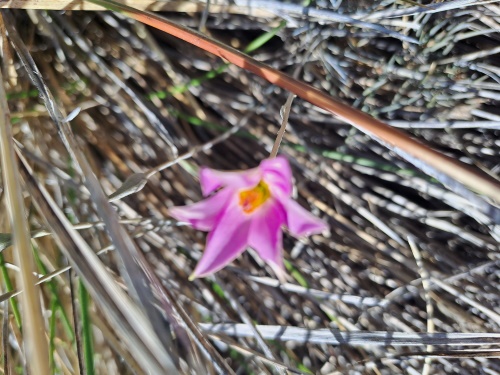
x,y
405,257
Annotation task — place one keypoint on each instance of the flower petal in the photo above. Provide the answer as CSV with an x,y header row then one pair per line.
x,y
226,242
211,179
265,235
204,214
277,174
301,222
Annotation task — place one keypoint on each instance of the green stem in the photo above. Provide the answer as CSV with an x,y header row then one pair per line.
x,y
87,337
55,296
52,333
8,285
88,349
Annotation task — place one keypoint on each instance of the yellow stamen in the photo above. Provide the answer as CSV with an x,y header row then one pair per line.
x,y
255,197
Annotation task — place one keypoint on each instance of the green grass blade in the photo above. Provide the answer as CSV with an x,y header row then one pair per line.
x,y
87,337
10,287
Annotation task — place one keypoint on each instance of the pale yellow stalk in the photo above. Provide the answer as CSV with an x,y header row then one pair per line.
x,y
151,5
35,343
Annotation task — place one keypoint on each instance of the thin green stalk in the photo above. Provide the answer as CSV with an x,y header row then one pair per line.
x,y
88,348
70,88
55,295
87,337
296,274
52,333
10,287
264,38
23,95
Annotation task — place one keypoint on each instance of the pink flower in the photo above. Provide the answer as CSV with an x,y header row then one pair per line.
x,y
247,211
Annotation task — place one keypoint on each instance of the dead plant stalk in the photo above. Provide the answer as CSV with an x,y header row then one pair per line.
x,y
33,324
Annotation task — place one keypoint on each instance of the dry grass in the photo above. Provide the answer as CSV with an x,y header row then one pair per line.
x,y
406,281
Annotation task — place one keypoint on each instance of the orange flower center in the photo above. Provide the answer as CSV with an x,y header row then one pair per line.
x,y
253,198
